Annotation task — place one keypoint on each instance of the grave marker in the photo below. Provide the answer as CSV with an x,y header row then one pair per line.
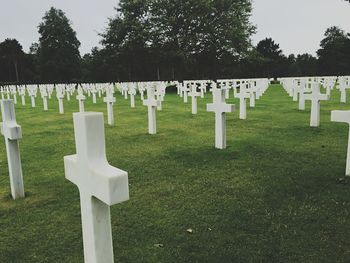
x,y
12,133
219,107
100,186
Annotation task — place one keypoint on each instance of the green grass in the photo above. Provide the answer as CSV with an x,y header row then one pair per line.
x,y
273,195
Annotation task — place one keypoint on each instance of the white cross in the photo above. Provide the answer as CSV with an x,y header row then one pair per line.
x,y
12,133
315,98
81,98
93,92
60,96
243,95
43,93
32,89
194,94
110,100
185,90
132,93
202,89
152,105
302,94
100,185
252,94
22,93
343,116
342,89
220,108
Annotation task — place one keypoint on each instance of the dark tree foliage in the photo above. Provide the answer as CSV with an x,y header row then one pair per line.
x,y
15,65
272,59
164,40
58,48
175,39
334,54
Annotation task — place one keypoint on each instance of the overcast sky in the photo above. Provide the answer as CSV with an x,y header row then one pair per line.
x,y
297,25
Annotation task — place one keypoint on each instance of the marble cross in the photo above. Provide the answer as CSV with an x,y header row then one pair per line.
x,y
100,186
302,94
342,89
12,133
110,100
185,90
252,95
243,95
202,89
22,93
60,96
220,108
194,94
32,90
315,98
93,92
152,105
81,98
343,116
13,90
132,93
43,93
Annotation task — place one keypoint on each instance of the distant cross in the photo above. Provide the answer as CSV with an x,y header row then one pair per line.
x,y
343,116
243,95
81,98
302,94
132,93
185,91
32,89
12,133
296,89
2,93
13,90
22,93
100,185
202,89
60,96
93,92
315,98
252,94
43,93
342,89
152,104
194,94
110,100
220,108
142,91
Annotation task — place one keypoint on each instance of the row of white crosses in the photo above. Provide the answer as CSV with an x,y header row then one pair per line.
x,y
309,89
296,86
249,89
101,185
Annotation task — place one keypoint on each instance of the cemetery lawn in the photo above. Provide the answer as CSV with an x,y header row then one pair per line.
x,y
276,194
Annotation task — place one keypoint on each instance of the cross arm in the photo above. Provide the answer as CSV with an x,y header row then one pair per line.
x,y
105,182
340,116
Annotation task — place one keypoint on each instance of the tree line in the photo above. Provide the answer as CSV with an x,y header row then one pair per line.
x,y
167,40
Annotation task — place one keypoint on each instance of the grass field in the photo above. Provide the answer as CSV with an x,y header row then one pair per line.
x,y
276,194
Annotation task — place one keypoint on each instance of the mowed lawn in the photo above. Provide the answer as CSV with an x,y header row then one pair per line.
x,y
276,194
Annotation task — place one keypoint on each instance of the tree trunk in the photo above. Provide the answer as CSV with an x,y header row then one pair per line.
x,y
158,73
16,70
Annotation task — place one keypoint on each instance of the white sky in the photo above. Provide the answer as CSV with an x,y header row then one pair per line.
x,y
297,25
